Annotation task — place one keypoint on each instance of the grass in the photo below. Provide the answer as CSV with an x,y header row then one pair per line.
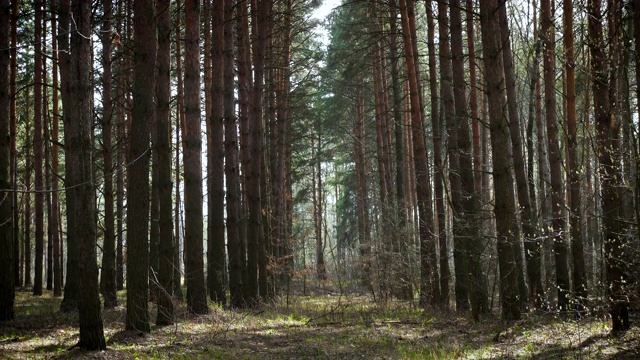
x,y
321,327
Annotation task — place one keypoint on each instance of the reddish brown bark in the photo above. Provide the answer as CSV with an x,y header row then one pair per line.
x,y
423,181
38,150
502,179
555,157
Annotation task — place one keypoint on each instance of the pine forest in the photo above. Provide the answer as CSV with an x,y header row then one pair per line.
x,y
309,179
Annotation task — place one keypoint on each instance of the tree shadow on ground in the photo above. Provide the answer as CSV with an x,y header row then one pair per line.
x,y
321,327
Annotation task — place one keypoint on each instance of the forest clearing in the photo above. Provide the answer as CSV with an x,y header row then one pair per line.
x,y
316,327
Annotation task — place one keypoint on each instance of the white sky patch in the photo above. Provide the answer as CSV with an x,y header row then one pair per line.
x,y
321,14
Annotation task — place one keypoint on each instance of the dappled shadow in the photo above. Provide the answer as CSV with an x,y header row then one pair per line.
x,y
322,327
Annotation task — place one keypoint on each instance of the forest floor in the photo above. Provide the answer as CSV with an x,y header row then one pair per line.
x,y
316,327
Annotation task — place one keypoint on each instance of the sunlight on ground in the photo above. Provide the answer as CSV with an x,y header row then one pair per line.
x,y
323,327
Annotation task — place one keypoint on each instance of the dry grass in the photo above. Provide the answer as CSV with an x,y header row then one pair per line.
x,y
320,327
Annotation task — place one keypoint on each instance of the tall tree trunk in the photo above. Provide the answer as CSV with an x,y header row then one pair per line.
x,y
609,172
234,244
575,211
555,157
78,139
256,235
55,202
382,149
533,247
163,145
17,268
423,181
474,112
120,162
38,148
108,274
359,145
519,165
439,180
460,244
7,281
282,113
138,169
67,74
194,265
502,180
47,172
215,166
245,79
470,200
177,274
401,241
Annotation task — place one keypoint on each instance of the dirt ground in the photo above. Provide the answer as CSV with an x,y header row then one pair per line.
x,y
316,327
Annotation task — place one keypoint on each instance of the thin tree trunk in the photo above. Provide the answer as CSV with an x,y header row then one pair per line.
x,y
256,235
401,241
38,149
359,145
108,273
55,202
575,211
245,79
47,172
436,126
163,145
533,247
215,177
555,157
177,281
234,244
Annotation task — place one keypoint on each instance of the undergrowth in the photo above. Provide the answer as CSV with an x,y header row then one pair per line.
x,y
315,327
